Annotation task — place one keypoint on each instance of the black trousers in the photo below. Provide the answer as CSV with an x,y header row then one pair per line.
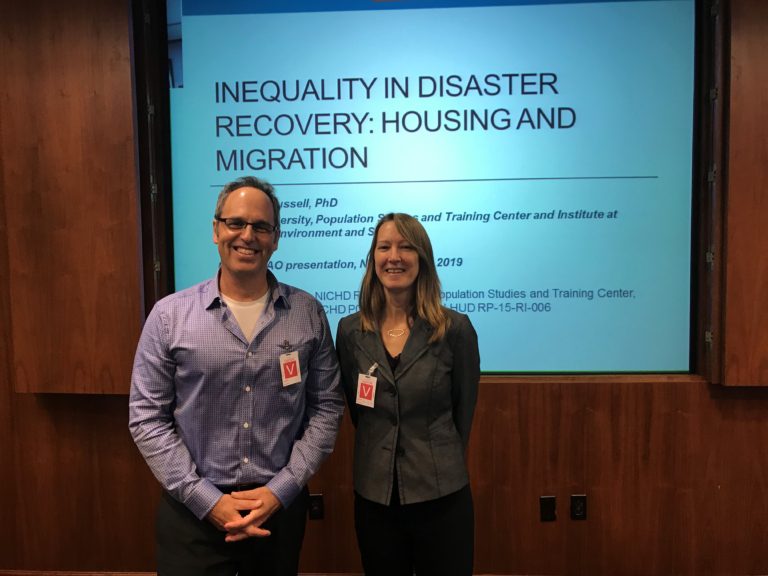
x,y
433,538
187,546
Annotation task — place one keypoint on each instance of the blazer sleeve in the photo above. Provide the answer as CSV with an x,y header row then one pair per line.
x,y
348,369
465,377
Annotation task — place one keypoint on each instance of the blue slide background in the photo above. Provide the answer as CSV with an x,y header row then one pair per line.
x,y
625,68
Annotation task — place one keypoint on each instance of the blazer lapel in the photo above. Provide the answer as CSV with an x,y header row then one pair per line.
x,y
372,347
416,346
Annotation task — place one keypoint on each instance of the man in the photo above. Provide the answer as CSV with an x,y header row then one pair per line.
x,y
235,402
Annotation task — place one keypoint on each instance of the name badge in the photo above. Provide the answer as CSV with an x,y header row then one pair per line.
x,y
366,388
290,369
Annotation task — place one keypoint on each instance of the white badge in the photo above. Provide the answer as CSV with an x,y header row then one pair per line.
x,y
366,388
290,369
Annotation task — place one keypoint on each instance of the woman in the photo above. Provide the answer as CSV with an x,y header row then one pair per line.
x,y
410,369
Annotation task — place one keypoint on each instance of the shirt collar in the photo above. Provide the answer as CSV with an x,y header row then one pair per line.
x,y
278,291
212,296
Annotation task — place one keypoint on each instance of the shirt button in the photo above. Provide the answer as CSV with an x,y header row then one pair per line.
x,y
245,459
250,354
247,388
245,424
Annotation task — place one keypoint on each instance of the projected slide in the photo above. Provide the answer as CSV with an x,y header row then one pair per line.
x,y
546,147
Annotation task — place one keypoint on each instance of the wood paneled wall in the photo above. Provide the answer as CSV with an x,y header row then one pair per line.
x,y
746,287
70,195
674,468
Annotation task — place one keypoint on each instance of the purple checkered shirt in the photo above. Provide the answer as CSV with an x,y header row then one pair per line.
x,y
208,408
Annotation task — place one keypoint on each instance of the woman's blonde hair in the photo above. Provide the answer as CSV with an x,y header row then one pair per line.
x,y
428,304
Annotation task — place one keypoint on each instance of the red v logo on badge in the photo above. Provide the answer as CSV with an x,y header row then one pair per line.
x,y
290,369
366,391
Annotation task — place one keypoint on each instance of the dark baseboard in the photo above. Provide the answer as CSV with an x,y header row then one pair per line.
x,y
60,573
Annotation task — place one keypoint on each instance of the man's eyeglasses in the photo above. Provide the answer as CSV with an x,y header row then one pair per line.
x,y
259,227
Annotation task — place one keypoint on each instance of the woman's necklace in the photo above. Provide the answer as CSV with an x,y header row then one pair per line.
x,y
396,332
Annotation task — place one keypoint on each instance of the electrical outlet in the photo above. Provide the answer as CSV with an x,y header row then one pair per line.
x,y
548,508
316,507
578,506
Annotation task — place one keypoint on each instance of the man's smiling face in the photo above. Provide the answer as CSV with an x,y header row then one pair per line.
x,y
245,253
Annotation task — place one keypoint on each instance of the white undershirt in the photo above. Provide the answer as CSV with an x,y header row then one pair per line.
x,y
247,314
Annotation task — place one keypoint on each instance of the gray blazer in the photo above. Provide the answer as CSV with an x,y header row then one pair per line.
x,y
422,413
